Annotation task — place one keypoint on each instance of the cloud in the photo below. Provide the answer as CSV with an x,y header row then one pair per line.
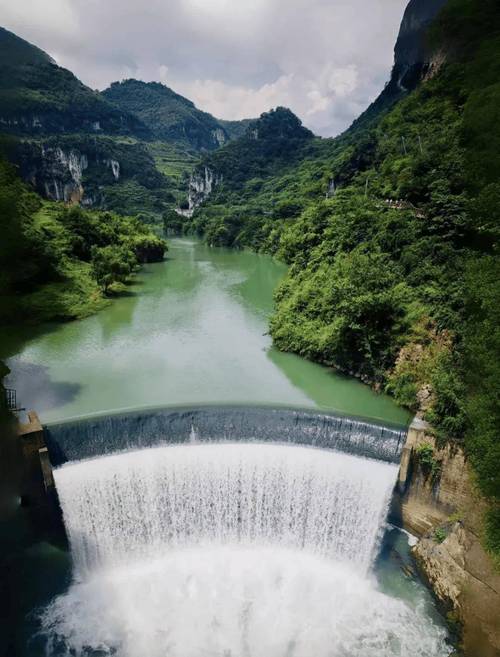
x,y
325,59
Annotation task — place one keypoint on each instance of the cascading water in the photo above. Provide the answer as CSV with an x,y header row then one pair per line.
x,y
230,550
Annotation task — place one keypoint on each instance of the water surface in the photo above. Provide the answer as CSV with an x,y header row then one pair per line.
x,y
190,329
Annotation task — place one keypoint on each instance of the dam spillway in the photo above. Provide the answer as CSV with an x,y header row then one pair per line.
x,y
137,504
98,435
245,548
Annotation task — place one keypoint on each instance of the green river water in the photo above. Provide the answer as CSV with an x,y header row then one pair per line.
x,y
192,329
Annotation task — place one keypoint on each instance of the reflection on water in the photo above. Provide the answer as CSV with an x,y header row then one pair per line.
x,y
193,329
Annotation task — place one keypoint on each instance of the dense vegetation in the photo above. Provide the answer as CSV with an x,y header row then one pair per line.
x,y
169,116
391,235
58,262
39,97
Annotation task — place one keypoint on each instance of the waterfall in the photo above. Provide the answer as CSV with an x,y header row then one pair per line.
x,y
139,503
229,550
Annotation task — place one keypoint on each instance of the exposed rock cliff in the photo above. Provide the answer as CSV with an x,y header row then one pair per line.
x,y
276,136
466,584
201,184
82,169
414,57
412,53
438,503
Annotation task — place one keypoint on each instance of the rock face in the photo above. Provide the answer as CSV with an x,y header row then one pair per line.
x,y
201,184
275,135
426,501
445,511
59,174
414,58
412,53
82,169
466,584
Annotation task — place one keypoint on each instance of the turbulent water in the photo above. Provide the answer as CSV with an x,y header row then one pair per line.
x,y
231,550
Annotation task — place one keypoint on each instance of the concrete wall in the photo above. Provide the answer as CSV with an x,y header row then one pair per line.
x,y
38,491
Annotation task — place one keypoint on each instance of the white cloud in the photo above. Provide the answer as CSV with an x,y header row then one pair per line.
x,y
325,59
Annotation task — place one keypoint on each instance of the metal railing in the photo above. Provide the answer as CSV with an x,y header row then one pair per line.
x,y
11,399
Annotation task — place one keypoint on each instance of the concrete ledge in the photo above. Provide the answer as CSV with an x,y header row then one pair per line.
x,y
32,426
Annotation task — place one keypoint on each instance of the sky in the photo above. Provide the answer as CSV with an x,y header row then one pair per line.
x,y
325,59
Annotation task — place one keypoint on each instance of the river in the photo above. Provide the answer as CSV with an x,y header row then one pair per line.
x,y
192,329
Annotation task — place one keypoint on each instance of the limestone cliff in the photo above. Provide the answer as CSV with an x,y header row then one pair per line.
x,y
201,184
413,54
82,169
414,57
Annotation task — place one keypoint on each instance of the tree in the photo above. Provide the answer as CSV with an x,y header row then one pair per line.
x,y
112,264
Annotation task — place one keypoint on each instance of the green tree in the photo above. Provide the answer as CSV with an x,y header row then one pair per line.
x,y
112,264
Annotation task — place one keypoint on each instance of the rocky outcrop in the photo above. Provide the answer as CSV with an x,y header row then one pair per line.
x,y
82,169
428,498
58,173
201,184
413,54
415,59
220,137
437,501
63,174
466,584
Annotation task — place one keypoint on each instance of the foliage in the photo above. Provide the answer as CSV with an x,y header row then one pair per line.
x,y
431,466
112,264
46,252
39,97
169,116
440,534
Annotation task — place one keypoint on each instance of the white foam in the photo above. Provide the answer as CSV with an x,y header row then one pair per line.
x,y
233,550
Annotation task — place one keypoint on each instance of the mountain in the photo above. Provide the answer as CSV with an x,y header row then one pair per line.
x,y
69,142
38,97
169,116
127,149
414,56
269,144
414,53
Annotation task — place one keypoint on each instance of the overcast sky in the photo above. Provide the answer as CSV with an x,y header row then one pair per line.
x,y
325,59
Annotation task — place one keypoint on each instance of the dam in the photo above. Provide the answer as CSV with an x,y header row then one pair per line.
x,y
264,540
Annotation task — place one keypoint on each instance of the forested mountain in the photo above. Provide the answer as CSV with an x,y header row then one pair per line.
x,y
69,142
127,149
169,116
38,97
390,231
